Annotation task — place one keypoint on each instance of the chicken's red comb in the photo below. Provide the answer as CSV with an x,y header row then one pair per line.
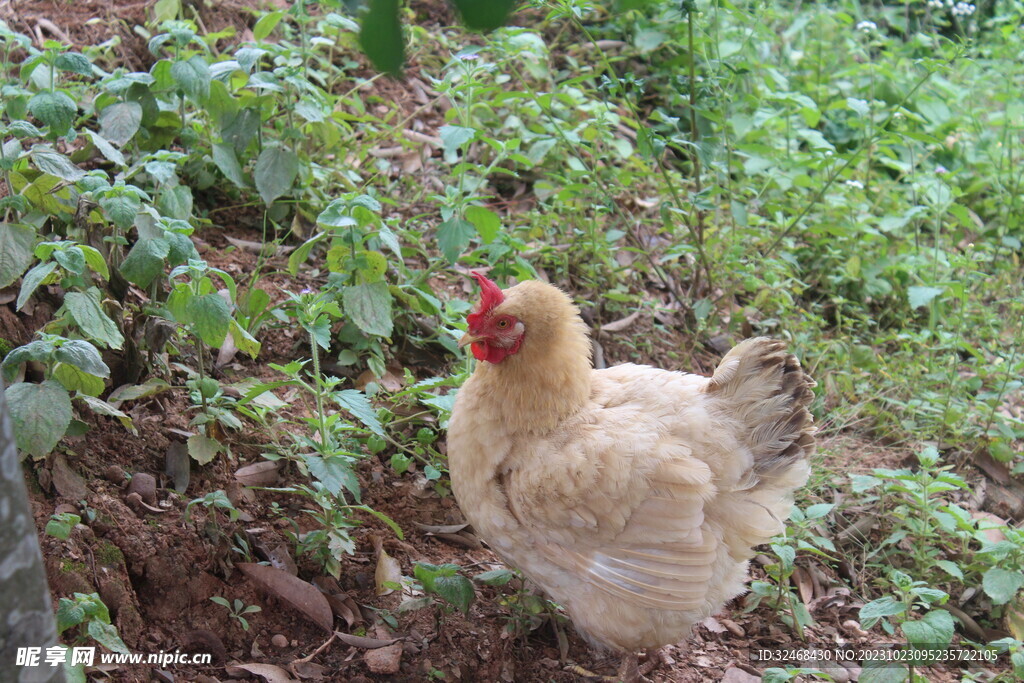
x,y
490,293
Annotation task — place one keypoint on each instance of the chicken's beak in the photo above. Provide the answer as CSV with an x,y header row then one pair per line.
x,y
468,339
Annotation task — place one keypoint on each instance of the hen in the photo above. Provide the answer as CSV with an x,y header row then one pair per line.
x,y
632,496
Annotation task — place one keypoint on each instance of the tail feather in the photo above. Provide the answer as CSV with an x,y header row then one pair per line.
x,y
764,389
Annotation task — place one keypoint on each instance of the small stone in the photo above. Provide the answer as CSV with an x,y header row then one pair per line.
x,y
384,660
114,474
279,641
144,485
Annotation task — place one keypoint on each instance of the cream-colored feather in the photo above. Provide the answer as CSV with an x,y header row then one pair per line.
x,y
631,495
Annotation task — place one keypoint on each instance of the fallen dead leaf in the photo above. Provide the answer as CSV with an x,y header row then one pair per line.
x,y
441,528
268,672
177,465
264,473
310,670
621,324
299,594
388,571
363,642
68,482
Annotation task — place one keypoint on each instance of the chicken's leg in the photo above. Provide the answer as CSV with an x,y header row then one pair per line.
x,y
629,670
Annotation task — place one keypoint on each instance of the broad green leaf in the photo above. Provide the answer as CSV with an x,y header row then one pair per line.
x,y
120,122
145,262
60,526
266,24
495,577
73,379
1002,584
16,244
32,280
74,62
486,222
381,36
950,568
456,590
355,402
106,635
225,159
83,356
211,317
40,414
109,152
193,76
101,407
275,172
180,248
150,387
454,137
336,215
335,472
121,209
922,296
240,129
453,237
85,308
69,614
484,15
202,448
934,629
886,606
244,341
70,259
301,253
55,109
38,350
175,202
56,164
369,306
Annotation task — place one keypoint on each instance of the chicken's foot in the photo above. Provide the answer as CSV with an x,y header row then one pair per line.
x,y
629,671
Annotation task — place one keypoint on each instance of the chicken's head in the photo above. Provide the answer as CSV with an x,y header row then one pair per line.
x,y
492,335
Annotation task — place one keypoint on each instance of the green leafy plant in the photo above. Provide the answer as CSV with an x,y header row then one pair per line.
x,y
86,616
237,610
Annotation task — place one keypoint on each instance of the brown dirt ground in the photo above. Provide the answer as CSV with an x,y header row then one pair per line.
x,y
156,570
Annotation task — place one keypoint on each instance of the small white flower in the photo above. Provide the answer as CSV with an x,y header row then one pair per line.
x,y
963,9
941,170
867,26
828,152
936,4
855,183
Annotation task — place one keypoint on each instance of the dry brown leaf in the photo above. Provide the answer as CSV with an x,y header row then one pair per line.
x,y
1015,617
177,465
621,324
299,594
68,482
464,539
310,670
804,584
993,535
388,571
263,473
268,672
364,642
227,352
713,625
441,528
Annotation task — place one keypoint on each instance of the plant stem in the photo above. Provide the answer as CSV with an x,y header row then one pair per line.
x,y
318,393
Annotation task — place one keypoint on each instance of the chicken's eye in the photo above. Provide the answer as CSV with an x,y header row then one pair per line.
x,y
503,323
